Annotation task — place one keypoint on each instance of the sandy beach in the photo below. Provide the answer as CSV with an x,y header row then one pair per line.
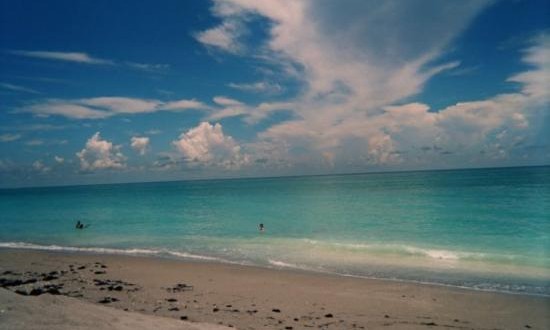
x,y
85,291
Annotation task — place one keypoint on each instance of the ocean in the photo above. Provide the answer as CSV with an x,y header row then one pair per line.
x,y
484,229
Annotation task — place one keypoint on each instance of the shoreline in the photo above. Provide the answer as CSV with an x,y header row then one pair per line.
x,y
191,258
152,285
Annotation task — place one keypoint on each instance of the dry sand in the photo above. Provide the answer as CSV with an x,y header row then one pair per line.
x,y
60,312
157,293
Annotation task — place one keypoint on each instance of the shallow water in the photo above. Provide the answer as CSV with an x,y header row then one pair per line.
x,y
485,229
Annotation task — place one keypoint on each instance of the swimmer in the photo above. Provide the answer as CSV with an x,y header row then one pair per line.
x,y
80,225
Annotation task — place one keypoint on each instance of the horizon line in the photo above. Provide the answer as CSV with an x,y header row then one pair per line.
x,y
274,177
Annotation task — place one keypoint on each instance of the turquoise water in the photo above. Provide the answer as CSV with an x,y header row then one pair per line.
x,y
484,229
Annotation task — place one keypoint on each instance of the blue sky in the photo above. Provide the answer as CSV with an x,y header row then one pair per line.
x,y
100,91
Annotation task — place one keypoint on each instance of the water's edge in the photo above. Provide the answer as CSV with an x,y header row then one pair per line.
x,y
273,265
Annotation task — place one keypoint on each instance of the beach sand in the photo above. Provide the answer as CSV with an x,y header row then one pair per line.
x,y
126,292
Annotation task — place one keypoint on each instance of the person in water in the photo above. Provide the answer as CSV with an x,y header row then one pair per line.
x,y
80,225
261,227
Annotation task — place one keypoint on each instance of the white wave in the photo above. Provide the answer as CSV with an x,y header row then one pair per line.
x,y
281,264
439,254
30,246
192,256
449,255
435,254
100,250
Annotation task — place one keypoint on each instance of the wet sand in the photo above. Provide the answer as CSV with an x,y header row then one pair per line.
x,y
163,291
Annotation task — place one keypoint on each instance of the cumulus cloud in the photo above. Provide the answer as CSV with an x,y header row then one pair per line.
x,y
358,59
353,58
207,145
59,160
100,154
39,166
140,144
105,107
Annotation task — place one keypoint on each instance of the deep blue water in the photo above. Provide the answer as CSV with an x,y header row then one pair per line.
x,y
483,228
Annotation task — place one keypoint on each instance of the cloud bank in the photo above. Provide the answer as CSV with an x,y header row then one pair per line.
x,y
359,63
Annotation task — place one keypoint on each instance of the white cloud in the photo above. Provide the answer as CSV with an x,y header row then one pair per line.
x,y
536,82
59,160
17,88
354,58
34,143
85,58
183,105
158,68
8,137
258,87
35,127
357,59
64,56
251,113
225,36
104,107
100,154
228,102
207,145
338,46
68,109
153,132
140,144
39,166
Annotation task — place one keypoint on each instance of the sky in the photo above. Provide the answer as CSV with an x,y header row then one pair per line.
x,y
103,91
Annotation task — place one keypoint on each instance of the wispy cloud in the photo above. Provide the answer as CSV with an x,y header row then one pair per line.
x,y
9,137
104,107
34,143
358,62
153,132
85,58
157,68
43,79
258,87
34,127
17,88
224,37
63,56
252,114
